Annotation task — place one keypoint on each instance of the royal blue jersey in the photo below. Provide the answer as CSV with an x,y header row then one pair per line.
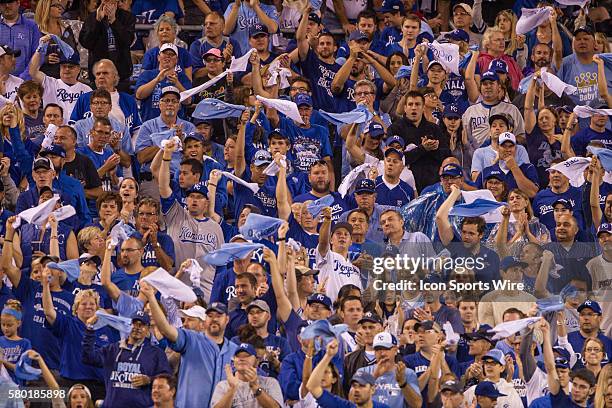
x,y
396,196
544,199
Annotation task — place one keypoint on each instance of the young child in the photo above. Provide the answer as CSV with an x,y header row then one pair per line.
x,y
12,346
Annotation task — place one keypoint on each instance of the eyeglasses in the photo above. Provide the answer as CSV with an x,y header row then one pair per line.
x,y
431,95
130,249
169,101
147,214
364,93
99,103
593,350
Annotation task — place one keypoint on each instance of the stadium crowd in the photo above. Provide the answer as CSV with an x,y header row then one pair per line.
x,y
349,203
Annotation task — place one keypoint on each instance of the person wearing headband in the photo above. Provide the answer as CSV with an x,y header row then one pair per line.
x,y
11,344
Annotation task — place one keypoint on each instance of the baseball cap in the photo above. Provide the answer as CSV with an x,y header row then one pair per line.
x,y
488,389
342,225
565,108
390,150
507,119
87,257
509,262
465,7
480,334
489,76
376,130
247,348
168,46
259,304
451,111
395,139
428,325
584,29
604,227
458,35
54,150
391,6
238,237
496,355
217,307
590,304
6,50
198,188
303,99
74,59
278,132
492,172
262,157
498,66
320,298
365,186
304,271
258,29
195,136
561,362
358,36
453,170
506,137
196,311
42,163
171,89
452,386
384,340
370,317
141,316
215,52
434,62
564,202
362,377
314,17
562,352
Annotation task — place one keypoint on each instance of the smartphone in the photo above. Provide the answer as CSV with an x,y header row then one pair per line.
x,y
53,49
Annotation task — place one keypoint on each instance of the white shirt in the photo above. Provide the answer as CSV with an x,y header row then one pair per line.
x,y
338,271
10,87
57,91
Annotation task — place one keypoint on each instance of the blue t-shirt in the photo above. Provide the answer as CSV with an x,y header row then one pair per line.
x,y
329,400
149,11
247,18
528,170
321,76
12,350
584,77
543,201
307,145
150,61
397,196
420,364
149,107
126,282
307,240
105,300
583,137
164,240
542,153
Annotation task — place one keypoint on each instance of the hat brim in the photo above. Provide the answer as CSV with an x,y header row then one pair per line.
x,y
489,358
214,309
140,319
171,92
258,163
316,301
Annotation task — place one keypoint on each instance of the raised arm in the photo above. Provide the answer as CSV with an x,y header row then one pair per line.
x,y
568,132
414,72
105,275
557,43
541,282
384,73
324,232
165,191
47,300
13,273
34,68
596,176
355,151
602,85
345,71
232,18
166,329
240,164
213,181
445,229
283,198
314,382
284,306
303,45
549,359
471,85
530,117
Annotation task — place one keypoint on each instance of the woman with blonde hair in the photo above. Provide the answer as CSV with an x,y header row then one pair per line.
x,y
494,48
603,391
601,43
12,343
128,190
515,43
49,19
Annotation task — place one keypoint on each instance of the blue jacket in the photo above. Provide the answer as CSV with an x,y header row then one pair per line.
x,y
290,377
127,103
23,36
120,363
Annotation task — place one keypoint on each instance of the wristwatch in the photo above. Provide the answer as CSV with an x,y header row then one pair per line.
x,y
258,392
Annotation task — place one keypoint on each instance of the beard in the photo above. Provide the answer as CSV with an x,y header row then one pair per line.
x,y
320,190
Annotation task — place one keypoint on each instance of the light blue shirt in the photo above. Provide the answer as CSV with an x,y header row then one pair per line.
x,y
484,156
584,77
84,126
247,18
157,125
202,367
387,389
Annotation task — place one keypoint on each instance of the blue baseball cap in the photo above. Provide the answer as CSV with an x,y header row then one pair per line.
x,y
391,6
195,136
496,355
141,316
491,172
604,227
261,157
371,317
278,132
390,150
509,262
590,304
395,139
247,348
358,36
498,66
489,76
363,377
258,29
365,186
303,99
451,111
458,35
488,389
376,130
74,59
564,202
54,150
453,170
217,307
198,188
320,298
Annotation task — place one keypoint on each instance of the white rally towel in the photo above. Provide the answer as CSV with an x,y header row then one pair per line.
x,y
288,108
190,92
532,18
169,286
351,178
251,186
587,111
446,54
273,168
37,215
580,3
452,338
49,136
507,329
240,64
573,168
555,84
120,232
63,213
276,72
195,272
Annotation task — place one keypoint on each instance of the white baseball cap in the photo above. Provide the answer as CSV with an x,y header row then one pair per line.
x,y
507,137
169,46
195,311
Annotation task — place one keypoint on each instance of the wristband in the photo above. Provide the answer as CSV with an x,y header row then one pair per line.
x,y
282,239
166,159
8,240
258,392
210,184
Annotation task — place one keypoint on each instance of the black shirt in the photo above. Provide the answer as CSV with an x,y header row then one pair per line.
x,y
83,169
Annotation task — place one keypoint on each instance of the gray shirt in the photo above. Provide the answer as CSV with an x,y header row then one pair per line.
x,y
243,398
